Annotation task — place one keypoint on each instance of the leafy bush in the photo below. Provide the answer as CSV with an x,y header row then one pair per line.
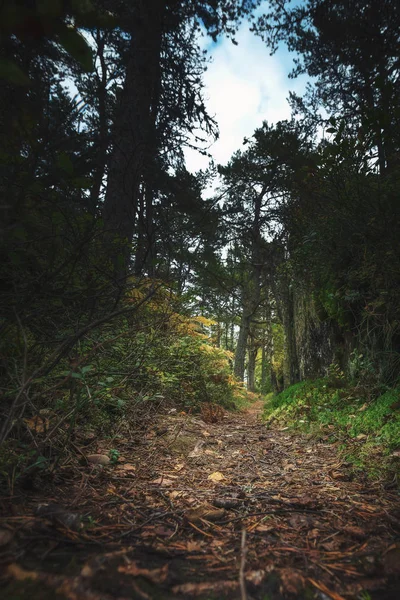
x,y
156,354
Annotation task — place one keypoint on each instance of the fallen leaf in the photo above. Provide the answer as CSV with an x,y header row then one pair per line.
x,y
216,476
98,459
332,545
194,546
5,537
356,532
163,481
87,571
292,582
204,512
289,467
313,534
175,494
126,467
197,449
37,424
256,577
262,528
19,573
297,521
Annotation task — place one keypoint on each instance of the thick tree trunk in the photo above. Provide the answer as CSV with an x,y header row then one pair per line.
x,y
291,370
134,135
251,368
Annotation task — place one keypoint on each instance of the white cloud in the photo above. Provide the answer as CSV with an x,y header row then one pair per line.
x,y
244,87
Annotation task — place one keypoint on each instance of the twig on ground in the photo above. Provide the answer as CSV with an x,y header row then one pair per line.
x,y
243,552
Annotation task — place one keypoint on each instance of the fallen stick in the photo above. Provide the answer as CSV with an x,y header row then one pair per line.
x,y
243,552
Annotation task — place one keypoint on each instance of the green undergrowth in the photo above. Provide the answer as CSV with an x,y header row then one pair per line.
x,y
115,379
365,427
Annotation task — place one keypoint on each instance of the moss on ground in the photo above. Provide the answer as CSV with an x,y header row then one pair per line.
x,y
367,429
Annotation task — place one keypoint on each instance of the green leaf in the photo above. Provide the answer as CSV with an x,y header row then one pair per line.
x,y
64,162
76,375
11,72
75,44
331,130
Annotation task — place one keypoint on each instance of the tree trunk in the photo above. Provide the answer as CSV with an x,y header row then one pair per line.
x,y
218,333
251,368
264,370
291,370
133,136
151,250
140,234
101,150
241,346
252,290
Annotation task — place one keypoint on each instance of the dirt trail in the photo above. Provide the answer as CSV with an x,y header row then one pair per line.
x,y
210,511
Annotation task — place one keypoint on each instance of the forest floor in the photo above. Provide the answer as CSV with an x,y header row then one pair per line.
x,y
207,511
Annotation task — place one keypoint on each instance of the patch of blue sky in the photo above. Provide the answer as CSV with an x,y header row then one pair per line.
x,y
244,86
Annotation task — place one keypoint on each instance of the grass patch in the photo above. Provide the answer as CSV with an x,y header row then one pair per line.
x,y
367,430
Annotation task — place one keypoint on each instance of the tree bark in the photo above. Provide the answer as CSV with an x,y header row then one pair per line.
x,y
291,371
266,352
134,132
264,370
101,151
252,290
251,367
241,346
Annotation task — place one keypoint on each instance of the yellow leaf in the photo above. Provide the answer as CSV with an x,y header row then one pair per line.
x,y
216,476
204,321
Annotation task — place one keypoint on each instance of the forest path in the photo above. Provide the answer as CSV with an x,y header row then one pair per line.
x,y
167,521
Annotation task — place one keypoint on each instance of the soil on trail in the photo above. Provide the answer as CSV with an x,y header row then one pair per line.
x,y
209,511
